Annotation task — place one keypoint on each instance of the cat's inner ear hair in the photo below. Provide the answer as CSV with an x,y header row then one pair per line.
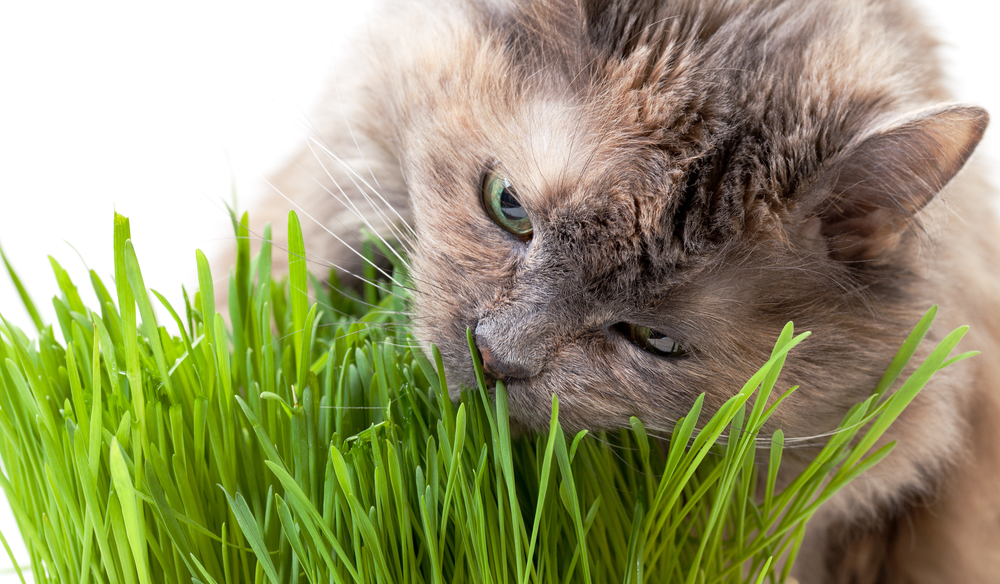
x,y
865,199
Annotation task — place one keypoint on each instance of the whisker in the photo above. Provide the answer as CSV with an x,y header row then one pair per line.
x,y
352,174
370,325
320,261
347,122
338,238
328,264
350,170
375,284
349,204
358,214
404,238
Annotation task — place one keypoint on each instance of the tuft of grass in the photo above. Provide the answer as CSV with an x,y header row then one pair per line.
x,y
313,441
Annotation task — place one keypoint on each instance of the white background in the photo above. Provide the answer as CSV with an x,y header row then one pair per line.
x,y
153,109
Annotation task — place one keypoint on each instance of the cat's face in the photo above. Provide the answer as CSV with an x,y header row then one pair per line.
x,y
626,212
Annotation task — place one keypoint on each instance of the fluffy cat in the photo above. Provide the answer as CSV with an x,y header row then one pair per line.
x,y
625,200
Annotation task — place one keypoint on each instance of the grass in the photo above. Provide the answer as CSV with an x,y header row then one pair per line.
x,y
314,442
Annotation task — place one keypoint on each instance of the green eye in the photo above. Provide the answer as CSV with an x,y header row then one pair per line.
x,y
503,207
651,341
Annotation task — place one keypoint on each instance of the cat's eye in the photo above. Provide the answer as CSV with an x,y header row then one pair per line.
x,y
651,341
502,205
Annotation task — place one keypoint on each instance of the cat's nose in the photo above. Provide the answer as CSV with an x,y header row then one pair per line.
x,y
498,368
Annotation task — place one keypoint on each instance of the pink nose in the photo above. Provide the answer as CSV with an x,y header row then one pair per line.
x,y
489,363
497,369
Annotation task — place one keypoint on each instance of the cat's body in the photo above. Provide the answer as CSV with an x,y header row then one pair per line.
x,y
709,170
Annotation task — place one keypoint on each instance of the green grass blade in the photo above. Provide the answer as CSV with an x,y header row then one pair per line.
x,y
297,277
250,529
29,305
130,512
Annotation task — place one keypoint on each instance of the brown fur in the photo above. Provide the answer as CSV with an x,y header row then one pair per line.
x,y
710,170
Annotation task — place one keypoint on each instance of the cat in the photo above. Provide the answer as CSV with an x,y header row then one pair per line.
x,y
626,200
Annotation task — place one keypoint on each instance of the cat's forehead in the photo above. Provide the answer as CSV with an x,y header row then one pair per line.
x,y
543,147
560,152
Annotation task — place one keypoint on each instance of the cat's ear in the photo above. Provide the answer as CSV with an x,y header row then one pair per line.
x,y
862,202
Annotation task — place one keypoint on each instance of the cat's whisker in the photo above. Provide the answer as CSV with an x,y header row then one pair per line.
x,y
330,264
369,325
314,259
344,314
345,200
347,123
351,175
359,408
614,450
338,238
349,203
409,316
347,168
353,209
320,261
363,187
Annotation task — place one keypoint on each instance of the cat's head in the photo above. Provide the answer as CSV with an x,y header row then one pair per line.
x,y
626,201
